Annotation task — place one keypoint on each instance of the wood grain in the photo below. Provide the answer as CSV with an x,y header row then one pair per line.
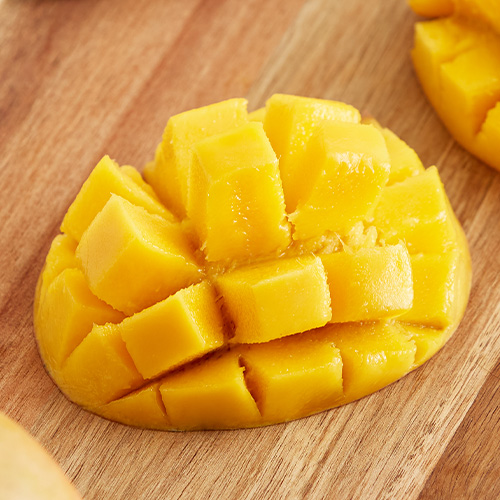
x,y
81,78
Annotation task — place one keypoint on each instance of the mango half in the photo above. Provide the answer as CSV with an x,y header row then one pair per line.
x,y
272,265
457,60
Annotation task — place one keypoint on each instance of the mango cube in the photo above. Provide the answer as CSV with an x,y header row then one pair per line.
x,y
348,166
210,395
100,369
170,173
141,408
69,313
416,211
132,259
457,61
236,201
369,284
434,278
267,301
373,355
404,161
106,179
174,331
242,314
290,123
293,376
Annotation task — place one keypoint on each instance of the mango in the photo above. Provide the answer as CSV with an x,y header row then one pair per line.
x,y
132,259
369,284
311,261
266,301
27,471
290,123
174,331
169,173
236,201
107,179
347,168
210,395
294,376
457,60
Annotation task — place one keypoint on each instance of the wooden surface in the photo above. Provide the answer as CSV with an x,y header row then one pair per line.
x,y
82,78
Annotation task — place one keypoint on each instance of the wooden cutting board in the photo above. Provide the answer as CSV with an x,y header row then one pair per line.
x,y
82,78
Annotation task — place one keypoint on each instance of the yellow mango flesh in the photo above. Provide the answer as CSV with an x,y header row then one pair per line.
x,y
290,123
106,179
457,60
369,284
211,395
245,313
373,355
170,172
27,471
293,377
100,369
416,211
132,259
434,279
267,301
141,408
348,166
432,8
236,201
69,312
183,327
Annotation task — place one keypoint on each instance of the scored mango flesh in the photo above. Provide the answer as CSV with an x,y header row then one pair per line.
x,y
217,295
457,60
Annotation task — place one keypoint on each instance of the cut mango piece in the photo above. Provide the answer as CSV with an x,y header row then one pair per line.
x,y
348,166
427,340
141,408
100,369
68,314
210,395
470,87
61,256
267,301
404,161
373,355
132,259
241,314
106,179
434,279
432,8
170,173
290,123
293,377
236,201
416,211
457,61
183,327
370,284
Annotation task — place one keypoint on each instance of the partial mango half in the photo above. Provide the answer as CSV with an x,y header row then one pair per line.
x,y
274,265
457,60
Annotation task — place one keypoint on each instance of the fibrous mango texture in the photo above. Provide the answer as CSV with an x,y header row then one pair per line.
x,y
457,60
274,265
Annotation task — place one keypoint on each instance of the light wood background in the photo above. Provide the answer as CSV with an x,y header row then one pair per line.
x,y
82,78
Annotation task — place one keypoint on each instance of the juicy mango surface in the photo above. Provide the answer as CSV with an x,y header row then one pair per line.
x,y
274,265
457,60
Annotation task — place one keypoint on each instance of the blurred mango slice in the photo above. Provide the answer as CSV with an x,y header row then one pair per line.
x,y
300,258
457,60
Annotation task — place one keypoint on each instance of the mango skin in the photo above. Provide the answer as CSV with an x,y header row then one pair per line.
x,y
457,60
27,471
402,258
